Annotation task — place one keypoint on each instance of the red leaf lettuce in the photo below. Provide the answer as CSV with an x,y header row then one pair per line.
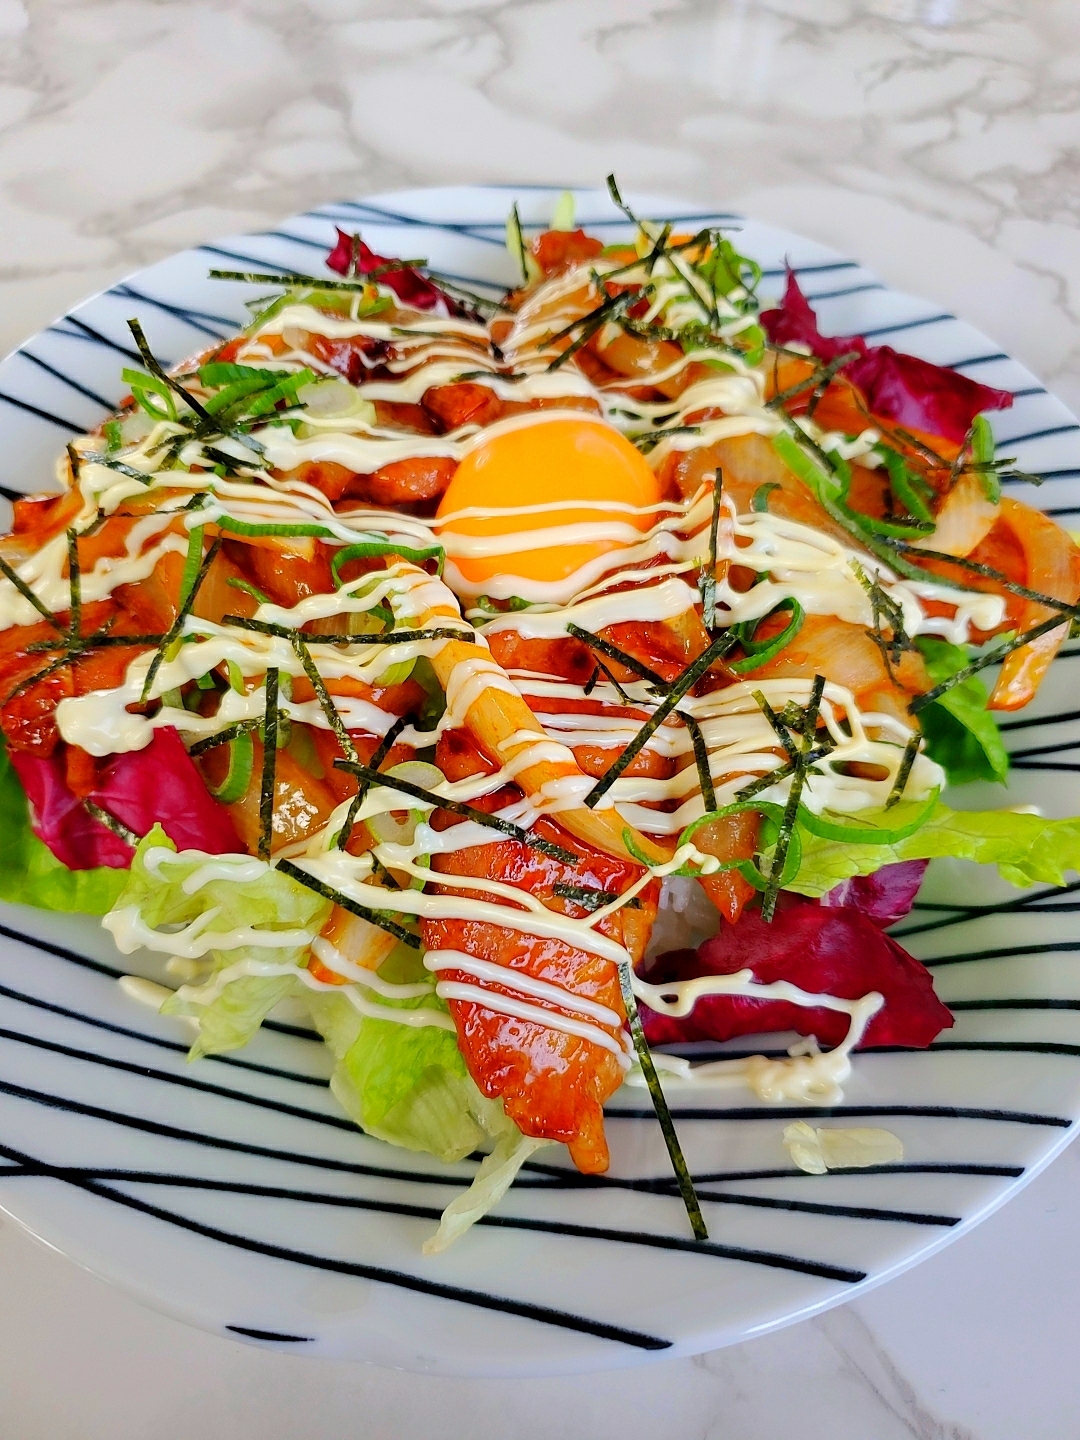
x,y
913,392
158,784
824,949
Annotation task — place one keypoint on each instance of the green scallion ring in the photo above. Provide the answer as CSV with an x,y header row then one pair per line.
x,y
238,776
761,652
772,816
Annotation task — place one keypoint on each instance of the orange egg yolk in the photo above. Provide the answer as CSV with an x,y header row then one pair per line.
x,y
536,464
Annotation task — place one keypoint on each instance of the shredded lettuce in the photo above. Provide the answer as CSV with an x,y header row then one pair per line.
x,y
409,1085
1027,849
30,873
961,734
154,902
496,1174
406,1083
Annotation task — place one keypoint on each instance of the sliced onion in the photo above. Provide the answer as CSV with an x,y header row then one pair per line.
x,y
335,400
384,827
965,519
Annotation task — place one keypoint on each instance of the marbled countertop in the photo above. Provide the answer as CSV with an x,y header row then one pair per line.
x,y
939,141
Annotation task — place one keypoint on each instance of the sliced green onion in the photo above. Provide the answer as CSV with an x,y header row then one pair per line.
x,y
364,549
983,449
760,653
238,775
142,387
248,589
856,834
772,817
759,501
192,561
909,487
244,527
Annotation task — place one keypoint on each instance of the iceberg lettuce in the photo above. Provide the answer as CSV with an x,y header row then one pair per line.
x,y
407,1084
263,918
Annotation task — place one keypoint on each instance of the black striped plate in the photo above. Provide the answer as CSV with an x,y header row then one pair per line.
x,y
235,1194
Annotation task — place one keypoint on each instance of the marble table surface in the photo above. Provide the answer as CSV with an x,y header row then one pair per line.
x,y
939,141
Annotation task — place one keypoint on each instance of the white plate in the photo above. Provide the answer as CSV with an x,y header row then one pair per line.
x,y
233,1193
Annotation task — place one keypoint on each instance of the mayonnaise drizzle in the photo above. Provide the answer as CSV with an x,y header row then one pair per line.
x,y
650,576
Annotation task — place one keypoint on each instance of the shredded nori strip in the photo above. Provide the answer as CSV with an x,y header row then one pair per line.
x,y
765,782
156,369
686,680
99,640
911,750
613,652
390,637
121,469
386,744
590,898
269,768
106,818
287,281
224,737
378,868
318,684
819,379
458,807
781,730
28,594
977,568
660,1105
75,584
991,657
174,630
708,580
884,609
589,324
701,756
806,724
375,917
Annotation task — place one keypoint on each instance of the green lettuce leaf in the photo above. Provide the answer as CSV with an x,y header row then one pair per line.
x,y
256,897
961,734
1027,849
30,873
407,1084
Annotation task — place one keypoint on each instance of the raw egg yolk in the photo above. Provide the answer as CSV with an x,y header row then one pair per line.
x,y
537,464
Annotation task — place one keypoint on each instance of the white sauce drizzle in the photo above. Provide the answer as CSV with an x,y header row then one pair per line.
x,y
661,563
